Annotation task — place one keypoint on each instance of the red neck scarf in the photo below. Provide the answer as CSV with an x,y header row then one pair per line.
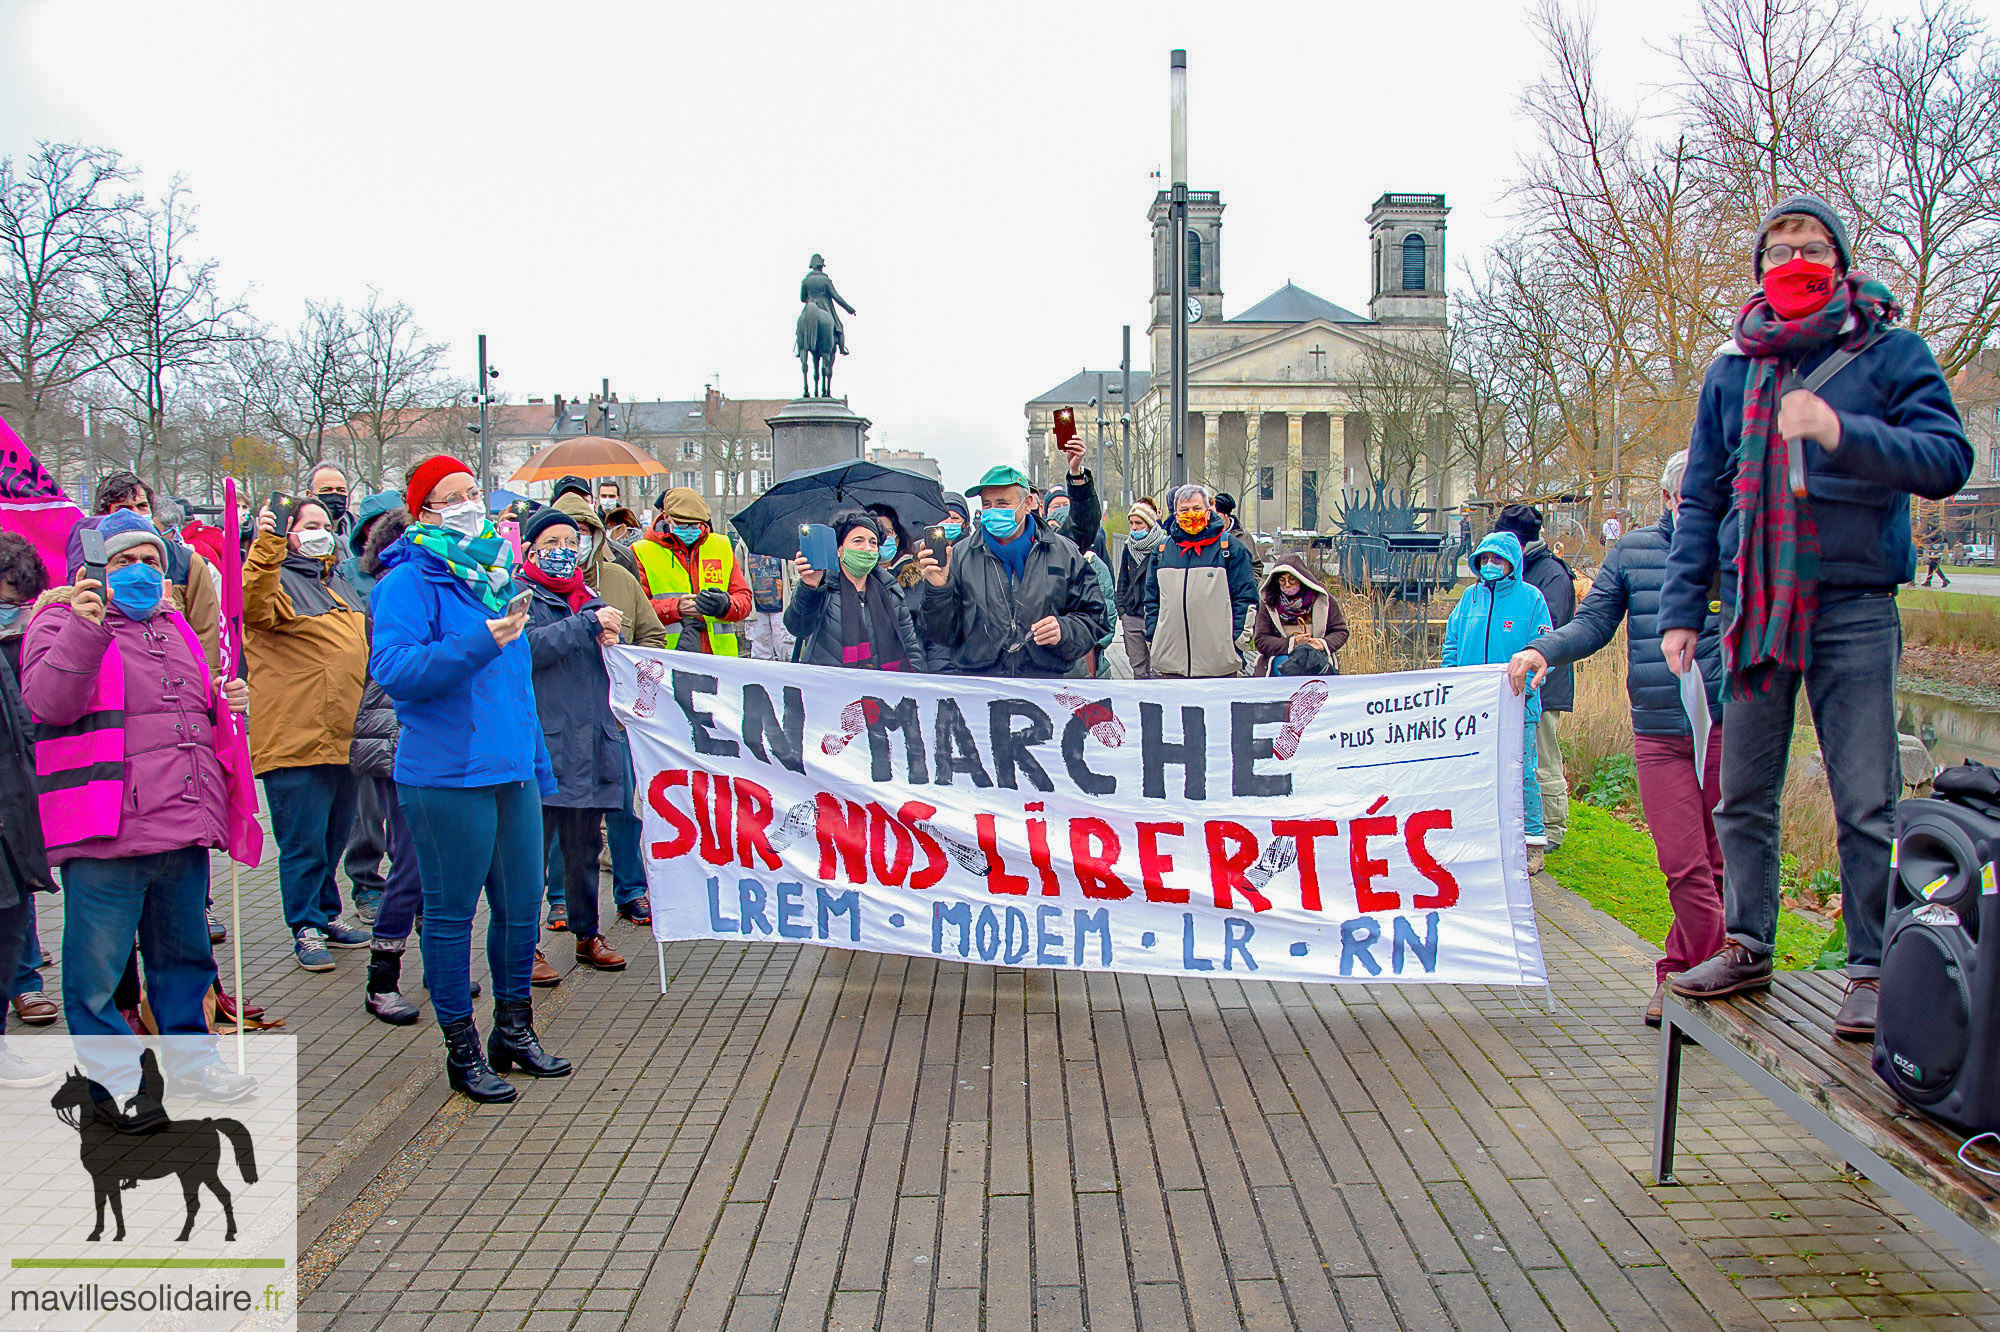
x,y
572,587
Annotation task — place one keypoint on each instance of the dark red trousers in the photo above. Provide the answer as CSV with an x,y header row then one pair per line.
x,y
1681,813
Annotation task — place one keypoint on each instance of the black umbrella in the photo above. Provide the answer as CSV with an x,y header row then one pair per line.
x,y
769,524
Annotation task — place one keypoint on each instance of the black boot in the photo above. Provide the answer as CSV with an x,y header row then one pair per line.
x,y
385,968
465,1067
514,1042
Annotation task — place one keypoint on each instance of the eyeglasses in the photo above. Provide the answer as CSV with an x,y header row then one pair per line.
x,y
440,502
1815,252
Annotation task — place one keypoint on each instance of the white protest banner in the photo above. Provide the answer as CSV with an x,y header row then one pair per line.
x,y
1358,828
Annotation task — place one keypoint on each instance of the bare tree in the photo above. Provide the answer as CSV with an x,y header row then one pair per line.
x,y
398,379
1402,393
736,444
60,210
168,322
300,385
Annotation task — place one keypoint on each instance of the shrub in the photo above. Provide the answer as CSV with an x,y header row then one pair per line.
x,y
1615,783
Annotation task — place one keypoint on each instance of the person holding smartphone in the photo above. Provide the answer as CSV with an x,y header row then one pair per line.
x,y
306,640
569,626
857,617
449,652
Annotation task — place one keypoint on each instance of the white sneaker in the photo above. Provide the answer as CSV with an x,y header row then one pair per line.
x,y
16,1072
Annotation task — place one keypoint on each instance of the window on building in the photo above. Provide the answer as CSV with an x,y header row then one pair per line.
x,y
1996,463
688,480
764,480
761,449
1194,260
1413,263
690,448
1267,483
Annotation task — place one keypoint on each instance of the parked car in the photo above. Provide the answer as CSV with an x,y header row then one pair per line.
x,y
1979,553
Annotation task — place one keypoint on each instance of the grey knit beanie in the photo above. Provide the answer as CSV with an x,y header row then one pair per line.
x,y
1806,205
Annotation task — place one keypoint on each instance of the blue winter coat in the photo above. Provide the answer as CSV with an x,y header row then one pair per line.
x,y
1629,586
1494,620
1900,435
467,706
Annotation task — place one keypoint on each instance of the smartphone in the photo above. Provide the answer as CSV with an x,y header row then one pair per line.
x,y
93,554
1065,426
937,544
282,507
816,543
519,605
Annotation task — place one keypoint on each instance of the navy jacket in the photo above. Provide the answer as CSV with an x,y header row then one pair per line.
x,y
1900,435
1225,550
463,701
573,697
1549,575
1628,587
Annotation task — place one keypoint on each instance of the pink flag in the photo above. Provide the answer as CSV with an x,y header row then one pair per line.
x,y
32,504
246,835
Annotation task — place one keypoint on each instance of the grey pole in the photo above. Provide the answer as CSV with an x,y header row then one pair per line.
x,y
1177,215
485,442
89,459
1101,423
1125,414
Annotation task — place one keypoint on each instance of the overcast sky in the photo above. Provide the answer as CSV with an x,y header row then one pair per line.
x,y
633,189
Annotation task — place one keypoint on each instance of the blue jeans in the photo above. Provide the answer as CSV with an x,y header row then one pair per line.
x,y
471,839
403,887
28,970
312,812
160,898
1851,688
1531,783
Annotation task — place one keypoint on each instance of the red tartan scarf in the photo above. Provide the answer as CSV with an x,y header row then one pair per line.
x,y
1777,549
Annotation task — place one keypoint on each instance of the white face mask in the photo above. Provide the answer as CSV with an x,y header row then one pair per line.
x,y
467,517
316,544
586,544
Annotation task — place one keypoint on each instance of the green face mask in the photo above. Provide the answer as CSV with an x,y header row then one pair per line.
x,y
860,563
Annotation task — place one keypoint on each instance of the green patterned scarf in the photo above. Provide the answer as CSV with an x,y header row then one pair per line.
x,y
485,562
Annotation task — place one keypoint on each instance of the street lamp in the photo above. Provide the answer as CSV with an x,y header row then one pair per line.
x,y
1177,214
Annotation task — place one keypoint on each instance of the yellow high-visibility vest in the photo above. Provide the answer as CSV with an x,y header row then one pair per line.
x,y
666,576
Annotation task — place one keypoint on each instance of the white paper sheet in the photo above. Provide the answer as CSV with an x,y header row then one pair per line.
x,y
1694,698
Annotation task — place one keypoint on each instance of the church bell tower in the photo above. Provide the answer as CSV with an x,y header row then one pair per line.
x,y
1204,254
1406,242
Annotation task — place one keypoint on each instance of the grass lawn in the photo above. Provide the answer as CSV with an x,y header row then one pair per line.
x,y
1611,865
1937,598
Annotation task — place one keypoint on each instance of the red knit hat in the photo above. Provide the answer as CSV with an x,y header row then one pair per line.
x,y
424,479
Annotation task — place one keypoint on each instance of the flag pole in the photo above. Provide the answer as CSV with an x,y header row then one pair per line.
x,y
231,628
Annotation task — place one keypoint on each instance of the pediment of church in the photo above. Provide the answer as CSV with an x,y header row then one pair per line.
x,y
1317,350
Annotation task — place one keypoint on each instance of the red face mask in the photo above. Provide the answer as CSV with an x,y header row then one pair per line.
x,y
1797,287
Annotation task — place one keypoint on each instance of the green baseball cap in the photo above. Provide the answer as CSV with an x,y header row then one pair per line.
x,y
1003,475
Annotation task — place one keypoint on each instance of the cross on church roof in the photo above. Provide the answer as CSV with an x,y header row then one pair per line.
x,y
1318,353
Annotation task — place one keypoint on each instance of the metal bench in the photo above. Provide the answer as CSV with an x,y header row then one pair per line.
x,y
1781,1042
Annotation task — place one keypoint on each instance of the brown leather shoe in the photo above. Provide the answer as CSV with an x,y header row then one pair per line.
x,y
1731,971
594,952
36,1009
1655,1014
543,975
1856,1019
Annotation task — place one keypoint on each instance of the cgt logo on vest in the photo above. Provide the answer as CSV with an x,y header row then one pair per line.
x,y
711,568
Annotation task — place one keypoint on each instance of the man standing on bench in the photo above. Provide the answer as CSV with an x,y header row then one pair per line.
x,y
1816,425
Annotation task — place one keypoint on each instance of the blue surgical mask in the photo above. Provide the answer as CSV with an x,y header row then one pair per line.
x,y
9,612
887,550
689,533
1492,570
952,528
136,590
559,562
1002,523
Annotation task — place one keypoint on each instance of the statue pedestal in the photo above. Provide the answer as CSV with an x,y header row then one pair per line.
x,y
813,432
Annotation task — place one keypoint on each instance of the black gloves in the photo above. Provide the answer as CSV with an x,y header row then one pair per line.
x,y
711,601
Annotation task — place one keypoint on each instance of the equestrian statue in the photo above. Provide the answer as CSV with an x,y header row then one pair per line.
x,y
821,336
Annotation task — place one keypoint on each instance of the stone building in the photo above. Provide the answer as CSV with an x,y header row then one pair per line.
x,y
1294,398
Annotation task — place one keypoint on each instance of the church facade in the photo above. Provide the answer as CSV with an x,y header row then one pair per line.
x,y
1293,399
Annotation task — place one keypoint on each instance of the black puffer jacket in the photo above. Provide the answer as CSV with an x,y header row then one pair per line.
x,y
373,753
812,618
981,617
1545,570
1629,585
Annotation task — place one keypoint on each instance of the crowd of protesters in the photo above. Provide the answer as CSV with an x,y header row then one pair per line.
x,y
396,648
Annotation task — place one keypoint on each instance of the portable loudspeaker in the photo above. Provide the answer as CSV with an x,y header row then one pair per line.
x,y
1937,1032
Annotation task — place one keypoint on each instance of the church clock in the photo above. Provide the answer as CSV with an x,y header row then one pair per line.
x,y
1194,310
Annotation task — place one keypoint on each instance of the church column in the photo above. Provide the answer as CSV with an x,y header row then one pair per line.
x,y
1211,427
1336,454
1253,497
1295,467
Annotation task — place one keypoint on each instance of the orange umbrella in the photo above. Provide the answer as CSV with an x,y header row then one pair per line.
x,y
588,456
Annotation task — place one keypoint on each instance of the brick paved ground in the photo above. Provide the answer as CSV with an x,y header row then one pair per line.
x,y
798,1138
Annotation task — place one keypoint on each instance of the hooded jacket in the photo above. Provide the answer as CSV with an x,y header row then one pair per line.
x,y
1494,620
1199,592
614,575
352,570
463,700
980,617
175,792
668,608
1547,572
306,641
586,745
1628,588
1900,435
1270,637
